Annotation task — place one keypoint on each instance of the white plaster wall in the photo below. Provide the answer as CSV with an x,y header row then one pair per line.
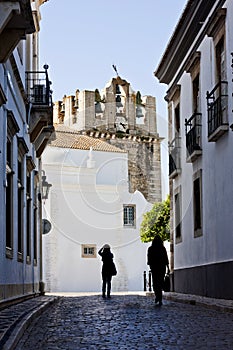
x,y
217,170
85,206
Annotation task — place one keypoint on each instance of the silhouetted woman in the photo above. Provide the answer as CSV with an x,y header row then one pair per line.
x,y
157,260
107,268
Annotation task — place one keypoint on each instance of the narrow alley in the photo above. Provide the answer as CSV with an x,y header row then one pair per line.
x,y
129,322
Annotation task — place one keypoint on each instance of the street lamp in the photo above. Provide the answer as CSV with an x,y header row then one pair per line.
x,y
45,186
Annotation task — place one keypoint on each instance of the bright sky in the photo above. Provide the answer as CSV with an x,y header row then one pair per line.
x,y
80,40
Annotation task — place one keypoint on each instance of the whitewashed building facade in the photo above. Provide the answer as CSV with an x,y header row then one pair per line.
x,y
25,125
197,67
89,204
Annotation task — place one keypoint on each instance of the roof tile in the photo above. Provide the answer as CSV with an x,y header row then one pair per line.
x,y
71,138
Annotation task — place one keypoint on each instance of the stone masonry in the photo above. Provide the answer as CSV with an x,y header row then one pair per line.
x,y
124,119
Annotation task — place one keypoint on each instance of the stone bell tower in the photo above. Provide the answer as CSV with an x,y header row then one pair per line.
x,y
123,118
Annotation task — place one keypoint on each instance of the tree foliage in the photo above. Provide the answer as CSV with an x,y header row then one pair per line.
x,y
156,222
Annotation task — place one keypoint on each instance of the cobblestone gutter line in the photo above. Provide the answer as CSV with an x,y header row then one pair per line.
x,y
15,321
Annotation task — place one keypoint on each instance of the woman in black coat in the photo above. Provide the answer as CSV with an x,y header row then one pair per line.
x,y
107,269
157,259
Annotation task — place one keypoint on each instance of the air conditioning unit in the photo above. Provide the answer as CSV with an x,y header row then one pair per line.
x,y
39,95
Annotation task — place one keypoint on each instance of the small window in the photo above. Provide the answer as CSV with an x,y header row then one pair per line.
x,y
129,215
88,251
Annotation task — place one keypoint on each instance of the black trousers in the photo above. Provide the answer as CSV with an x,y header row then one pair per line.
x,y
106,283
157,281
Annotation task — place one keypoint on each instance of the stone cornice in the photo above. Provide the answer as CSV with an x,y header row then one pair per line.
x,y
12,124
30,163
22,146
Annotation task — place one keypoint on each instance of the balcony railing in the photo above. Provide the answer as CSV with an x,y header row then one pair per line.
x,y
193,136
38,88
217,102
39,108
174,157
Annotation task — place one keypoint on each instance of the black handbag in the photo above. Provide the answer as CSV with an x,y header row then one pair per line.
x,y
166,283
114,270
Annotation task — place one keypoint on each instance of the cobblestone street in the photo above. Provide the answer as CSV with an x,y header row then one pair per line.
x,y
130,322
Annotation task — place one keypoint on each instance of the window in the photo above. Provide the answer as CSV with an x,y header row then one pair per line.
x,y
217,98
174,157
174,131
177,208
197,204
220,60
193,124
35,215
9,199
217,31
12,129
88,251
196,89
20,209
28,217
22,150
129,215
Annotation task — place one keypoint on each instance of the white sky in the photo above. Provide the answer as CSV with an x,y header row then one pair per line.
x,y
80,40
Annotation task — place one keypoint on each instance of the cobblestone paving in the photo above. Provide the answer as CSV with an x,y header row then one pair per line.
x,y
129,322
11,316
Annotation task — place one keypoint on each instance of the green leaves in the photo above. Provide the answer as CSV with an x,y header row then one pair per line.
x,y
156,222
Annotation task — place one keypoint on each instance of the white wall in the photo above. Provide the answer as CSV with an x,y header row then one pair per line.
x,y
85,206
215,245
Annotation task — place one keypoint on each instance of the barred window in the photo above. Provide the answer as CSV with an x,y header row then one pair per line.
x,y
88,251
129,215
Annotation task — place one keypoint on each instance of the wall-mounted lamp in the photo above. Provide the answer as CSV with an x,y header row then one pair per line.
x,y
45,187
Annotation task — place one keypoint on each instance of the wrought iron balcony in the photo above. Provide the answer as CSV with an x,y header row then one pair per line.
x,y
174,157
38,88
217,105
193,136
40,108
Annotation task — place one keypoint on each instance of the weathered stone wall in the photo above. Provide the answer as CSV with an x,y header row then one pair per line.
x,y
144,166
122,127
